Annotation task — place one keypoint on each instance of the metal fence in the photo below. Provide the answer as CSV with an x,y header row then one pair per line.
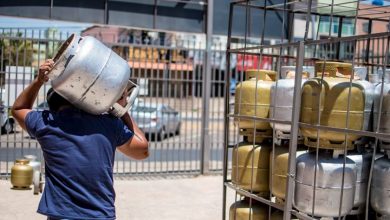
x,y
168,75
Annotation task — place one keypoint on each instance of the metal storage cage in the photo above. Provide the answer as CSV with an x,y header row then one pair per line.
x,y
307,130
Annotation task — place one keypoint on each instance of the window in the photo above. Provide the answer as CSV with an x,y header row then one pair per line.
x,y
365,27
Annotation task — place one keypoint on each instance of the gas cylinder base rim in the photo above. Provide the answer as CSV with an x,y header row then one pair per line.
x,y
285,141
257,139
21,187
263,194
308,215
259,132
321,217
327,144
285,135
357,210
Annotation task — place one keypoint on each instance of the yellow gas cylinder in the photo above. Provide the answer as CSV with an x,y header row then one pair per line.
x,y
279,170
253,99
333,98
250,167
332,68
243,210
21,174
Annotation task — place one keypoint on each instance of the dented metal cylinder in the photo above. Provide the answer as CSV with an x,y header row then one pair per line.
x,y
363,164
88,74
326,178
384,125
282,96
380,186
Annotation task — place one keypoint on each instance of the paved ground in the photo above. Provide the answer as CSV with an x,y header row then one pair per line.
x,y
170,198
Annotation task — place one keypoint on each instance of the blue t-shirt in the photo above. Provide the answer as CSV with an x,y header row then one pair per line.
x,y
79,150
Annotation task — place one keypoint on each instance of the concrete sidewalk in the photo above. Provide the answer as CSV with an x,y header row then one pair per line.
x,y
149,198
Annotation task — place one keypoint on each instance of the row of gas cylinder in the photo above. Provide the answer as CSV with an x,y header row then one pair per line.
x,y
26,172
338,190
324,186
324,101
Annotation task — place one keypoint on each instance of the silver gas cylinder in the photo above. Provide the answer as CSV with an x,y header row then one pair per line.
x,y
282,94
328,184
363,163
91,76
380,186
36,165
360,73
384,126
376,78
360,76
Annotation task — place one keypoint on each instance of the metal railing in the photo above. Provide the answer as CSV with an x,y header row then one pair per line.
x,y
169,76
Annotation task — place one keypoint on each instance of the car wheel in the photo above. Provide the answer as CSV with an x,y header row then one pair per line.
x,y
177,132
161,134
8,127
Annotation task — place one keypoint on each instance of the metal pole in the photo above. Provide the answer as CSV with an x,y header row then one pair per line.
x,y
369,31
339,34
51,9
313,27
154,13
226,112
205,157
294,132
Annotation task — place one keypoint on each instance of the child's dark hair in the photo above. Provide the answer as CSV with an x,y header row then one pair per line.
x,y
55,101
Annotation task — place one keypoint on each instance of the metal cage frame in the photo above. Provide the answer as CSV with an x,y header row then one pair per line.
x,y
296,50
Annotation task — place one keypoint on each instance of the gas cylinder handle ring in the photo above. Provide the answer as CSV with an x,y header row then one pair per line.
x,y
117,110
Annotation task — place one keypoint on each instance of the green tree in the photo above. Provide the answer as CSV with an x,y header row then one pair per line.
x,y
15,50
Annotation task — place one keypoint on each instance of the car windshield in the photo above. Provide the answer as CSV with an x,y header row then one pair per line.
x,y
143,109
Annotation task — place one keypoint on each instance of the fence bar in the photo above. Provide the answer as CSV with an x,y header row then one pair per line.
x,y
205,136
294,133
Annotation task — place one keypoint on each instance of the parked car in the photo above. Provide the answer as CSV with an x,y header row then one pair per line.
x,y
7,122
156,120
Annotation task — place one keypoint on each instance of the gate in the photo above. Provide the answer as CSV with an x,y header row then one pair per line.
x,y
171,81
